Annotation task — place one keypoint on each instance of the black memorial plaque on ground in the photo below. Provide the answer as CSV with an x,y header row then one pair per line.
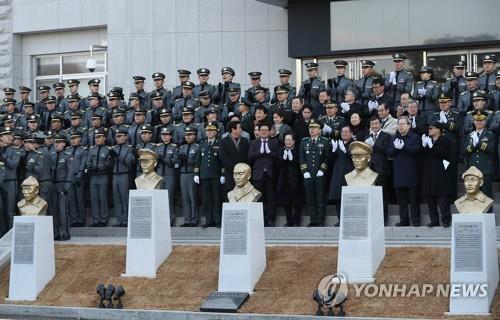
x,y
225,302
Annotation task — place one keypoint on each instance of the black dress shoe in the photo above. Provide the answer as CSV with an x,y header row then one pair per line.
x,y
184,225
401,224
446,224
430,225
337,224
57,237
95,224
65,238
416,224
312,224
217,226
207,225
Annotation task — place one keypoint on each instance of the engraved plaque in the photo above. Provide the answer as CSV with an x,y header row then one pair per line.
x,y
24,242
468,246
235,232
141,212
355,215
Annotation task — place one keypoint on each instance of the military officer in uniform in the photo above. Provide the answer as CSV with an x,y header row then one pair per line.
x,y
479,103
24,96
457,84
10,157
209,173
285,82
168,162
487,79
187,120
465,101
338,85
398,81
99,165
118,119
183,77
139,89
203,74
187,161
77,157
124,167
333,121
426,92
159,80
61,177
221,95
134,134
496,93
314,151
43,93
480,150
185,100
364,84
94,92
281,103
165,121
255,81
146,143
205,104
310,88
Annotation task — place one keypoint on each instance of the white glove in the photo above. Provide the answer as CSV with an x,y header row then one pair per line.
x,y
335,144
307,175
196,179
398,144
230,114
392,77
421,92
442,117
222,180
290,155
370,141
424,141
372,105
429,142
345,107
342,146
285,154
326,129
319,174
475,138
267,148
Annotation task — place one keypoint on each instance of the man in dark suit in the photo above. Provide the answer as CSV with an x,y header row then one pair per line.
x,y
418,123
380,97
233,150
263,156
379,163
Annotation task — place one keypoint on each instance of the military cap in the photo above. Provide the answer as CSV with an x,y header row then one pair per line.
x,y
140,110
43,88
30,181
94,95
260,88
470,75
426,69
311,66
489,58
245,102
93,82
331,104
157,95
57,116
101,131
73,82
122,129
9,90
166,130
204,93
76,133
315,124
33,118
187,85
479,95
118,112
227,70
134,95
443,97
398,57
187,110
96,115
9,101
472,171
24,89
146,128
6,130
8,118
211,110
340,63
233,89
50,99
360,147
203,72
28,104
367,63
18,133
146,153
29,137
40,136
57,85
497,73
158,75
436,124
138,78
480,115
183,72
281,89
59,138
458,64
117,90
112,95
254,75
73,98
284,72
211,126
77,114
189,130
165,111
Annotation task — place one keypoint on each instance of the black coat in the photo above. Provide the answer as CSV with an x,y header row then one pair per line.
x,y
290,188
379,162
230,154
433,181
263,162
342,165
405,164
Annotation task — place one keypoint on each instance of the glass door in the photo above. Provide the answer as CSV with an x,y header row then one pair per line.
x,y
442,62
477,55
327,70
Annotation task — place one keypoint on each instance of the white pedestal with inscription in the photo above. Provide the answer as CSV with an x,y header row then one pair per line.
x,y
243,248
32,263
474,262
361,237
149,240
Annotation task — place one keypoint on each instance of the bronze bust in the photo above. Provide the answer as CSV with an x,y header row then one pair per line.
x,y
362,175
244,191
149,178
474,200
32,204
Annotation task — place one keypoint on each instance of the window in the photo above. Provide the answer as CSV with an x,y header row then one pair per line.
x,y
50,69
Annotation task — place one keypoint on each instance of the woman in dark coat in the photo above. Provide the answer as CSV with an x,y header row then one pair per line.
x,y
358,128
342,165
435,186
290,190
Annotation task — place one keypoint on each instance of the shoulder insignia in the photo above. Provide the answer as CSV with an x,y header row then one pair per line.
x,y
463,92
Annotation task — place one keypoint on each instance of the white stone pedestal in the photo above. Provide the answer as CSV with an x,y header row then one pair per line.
x,y
474,262
32,263
242,248
361,237
149,240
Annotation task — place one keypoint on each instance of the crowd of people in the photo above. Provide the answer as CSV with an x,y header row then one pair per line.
x,y
83,151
